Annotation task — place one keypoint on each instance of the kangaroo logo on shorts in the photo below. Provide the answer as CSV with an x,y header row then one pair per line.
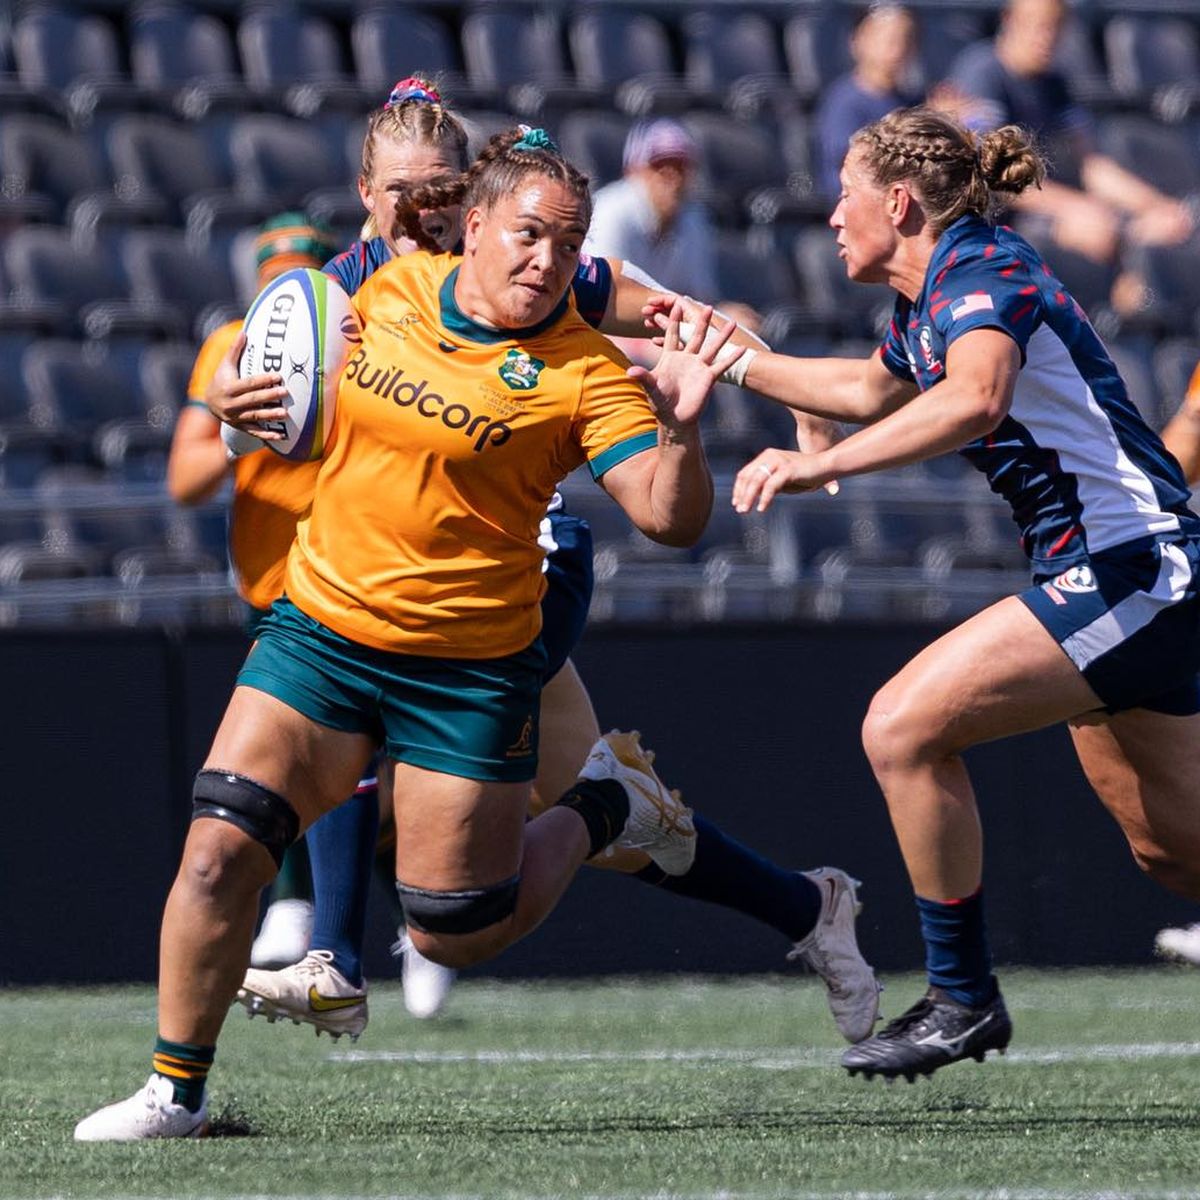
x,y
1077,579
523,746
520,370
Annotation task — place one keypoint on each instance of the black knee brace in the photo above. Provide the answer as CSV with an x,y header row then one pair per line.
x,y
269,819
457,912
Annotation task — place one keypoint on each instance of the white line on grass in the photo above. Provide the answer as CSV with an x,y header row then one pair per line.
x,y
777,1060
939,1194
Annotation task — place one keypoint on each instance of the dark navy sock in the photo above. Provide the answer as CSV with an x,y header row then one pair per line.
x,y
341,846
957,957
727,873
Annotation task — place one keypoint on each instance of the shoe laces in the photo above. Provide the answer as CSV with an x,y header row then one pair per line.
x,y
908,1019
315,962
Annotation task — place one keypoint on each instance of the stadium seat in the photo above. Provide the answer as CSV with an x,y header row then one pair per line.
x,y
1160,154
594,141
75,54
97,520
1150,53
165,268
185,58
1172,277
721,49
45,267
43,161
482,124
845,309
136,564
293,57
1175,361
504,47
55,47
155,156
1133,361
28,564
750,270
611,47
74,387
390,42
816,45
737,159
281,159
1078,56
164,370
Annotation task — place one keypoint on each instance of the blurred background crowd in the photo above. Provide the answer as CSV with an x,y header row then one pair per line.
x,y
142,145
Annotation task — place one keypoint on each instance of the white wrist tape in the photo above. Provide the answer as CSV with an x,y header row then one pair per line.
x,y
735,373
238,443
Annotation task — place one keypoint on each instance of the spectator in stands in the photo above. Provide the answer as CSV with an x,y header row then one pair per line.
x,y
1092,202
269,496
988,353
883,47
650,218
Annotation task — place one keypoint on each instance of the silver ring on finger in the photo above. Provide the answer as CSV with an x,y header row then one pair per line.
x,y
767,471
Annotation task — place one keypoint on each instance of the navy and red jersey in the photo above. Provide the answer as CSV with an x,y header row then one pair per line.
x,y
1073,457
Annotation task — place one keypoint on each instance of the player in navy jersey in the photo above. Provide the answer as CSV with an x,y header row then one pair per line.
x,y
988,353
413,144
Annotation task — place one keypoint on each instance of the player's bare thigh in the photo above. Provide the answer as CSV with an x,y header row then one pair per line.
x,y
312,766
454,833
1145,767
997,674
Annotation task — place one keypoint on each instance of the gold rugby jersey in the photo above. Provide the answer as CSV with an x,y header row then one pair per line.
x,y
270,494
449,441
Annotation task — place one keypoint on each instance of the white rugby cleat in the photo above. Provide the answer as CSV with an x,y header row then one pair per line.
x,y
284,936
426,984
659,822
312,991
148,1113
831,949
1180,943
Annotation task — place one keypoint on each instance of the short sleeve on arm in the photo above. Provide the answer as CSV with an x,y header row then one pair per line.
x,y
615,420
892,351
592,286
996,292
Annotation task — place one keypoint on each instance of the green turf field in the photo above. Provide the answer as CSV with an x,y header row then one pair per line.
x,y
671,1088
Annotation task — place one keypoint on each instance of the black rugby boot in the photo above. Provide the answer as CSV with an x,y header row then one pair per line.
x,y
935,1032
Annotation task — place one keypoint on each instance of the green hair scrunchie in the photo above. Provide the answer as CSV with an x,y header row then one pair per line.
x,y
535,139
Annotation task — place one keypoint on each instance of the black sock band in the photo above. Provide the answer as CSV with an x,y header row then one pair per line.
x,y
604,807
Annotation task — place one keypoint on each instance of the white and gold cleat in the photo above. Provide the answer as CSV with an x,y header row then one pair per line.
x,y
312,991
659,822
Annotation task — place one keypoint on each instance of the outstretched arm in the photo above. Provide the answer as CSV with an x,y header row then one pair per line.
x,y
975,396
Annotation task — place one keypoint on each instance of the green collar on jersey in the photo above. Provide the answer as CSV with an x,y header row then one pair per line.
x,y
456,321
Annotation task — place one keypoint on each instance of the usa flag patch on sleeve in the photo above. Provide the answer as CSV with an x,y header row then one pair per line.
x,y
972,303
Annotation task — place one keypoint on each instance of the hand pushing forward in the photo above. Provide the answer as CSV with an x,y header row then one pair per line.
x,y
681,380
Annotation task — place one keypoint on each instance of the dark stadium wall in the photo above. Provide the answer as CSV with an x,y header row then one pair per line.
x,y
759,728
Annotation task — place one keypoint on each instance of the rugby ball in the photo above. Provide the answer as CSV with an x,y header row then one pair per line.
x,y
302,327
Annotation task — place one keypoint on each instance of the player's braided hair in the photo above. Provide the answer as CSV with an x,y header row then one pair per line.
x,y
503,165
951,170
414,112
